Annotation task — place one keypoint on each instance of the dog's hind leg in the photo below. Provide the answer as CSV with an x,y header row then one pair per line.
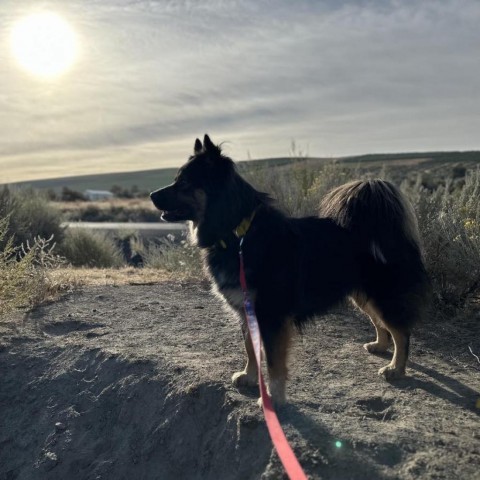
x,y
249,376
396,368
382,342
401,339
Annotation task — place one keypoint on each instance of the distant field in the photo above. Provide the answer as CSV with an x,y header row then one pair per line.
x,y
144,180
438,163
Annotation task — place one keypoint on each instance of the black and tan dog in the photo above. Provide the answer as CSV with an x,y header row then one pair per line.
x,y
364,245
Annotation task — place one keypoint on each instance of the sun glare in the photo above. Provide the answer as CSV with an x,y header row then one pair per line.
x,y
44,44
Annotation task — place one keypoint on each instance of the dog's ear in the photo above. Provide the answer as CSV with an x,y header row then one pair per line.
x,y
198,147
214,152
209,146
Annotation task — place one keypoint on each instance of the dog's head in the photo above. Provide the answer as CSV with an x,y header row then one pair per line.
x,y
200,179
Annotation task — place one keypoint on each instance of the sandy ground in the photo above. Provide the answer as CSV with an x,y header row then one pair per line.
x,y
133,382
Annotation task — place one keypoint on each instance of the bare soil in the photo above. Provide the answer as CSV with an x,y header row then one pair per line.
x,y
133,382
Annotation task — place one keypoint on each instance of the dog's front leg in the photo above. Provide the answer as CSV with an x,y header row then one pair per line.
x,y
276,344
249,376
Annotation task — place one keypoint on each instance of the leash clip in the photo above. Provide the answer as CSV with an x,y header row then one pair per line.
x,y
240,244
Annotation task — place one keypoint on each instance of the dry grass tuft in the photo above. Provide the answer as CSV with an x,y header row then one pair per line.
x,y
80,277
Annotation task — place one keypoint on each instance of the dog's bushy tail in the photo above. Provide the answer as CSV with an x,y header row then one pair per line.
x,y
380,217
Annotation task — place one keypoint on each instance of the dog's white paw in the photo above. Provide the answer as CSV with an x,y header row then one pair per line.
x,y
375,347
276,402
391,373
243,379
276,391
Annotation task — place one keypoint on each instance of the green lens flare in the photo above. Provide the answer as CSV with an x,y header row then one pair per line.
x,y
338,444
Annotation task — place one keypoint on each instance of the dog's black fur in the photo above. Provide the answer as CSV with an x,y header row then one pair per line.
x,y
365,247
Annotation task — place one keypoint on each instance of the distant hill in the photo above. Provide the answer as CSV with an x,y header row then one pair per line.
x,y
147,180
447,157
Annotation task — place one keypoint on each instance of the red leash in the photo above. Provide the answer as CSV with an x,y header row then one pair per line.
x,y
280,442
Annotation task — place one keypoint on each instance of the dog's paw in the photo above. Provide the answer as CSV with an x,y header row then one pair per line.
x,y
375,347
243,379
276,402
391,373
276,392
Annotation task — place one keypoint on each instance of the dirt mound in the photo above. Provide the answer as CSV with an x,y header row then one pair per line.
x,y
107,417
133,382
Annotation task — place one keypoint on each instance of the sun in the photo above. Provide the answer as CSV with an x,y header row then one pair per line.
x,y
44,44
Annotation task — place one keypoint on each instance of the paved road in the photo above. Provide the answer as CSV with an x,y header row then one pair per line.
x,y
145,230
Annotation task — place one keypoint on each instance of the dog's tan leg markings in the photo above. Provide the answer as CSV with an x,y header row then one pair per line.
x,y
249,376
396,368
277,365
382,341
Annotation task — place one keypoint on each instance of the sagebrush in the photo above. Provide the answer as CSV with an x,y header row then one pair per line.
x,y
176,255
449,223
24,271
30,215
83,248
448,217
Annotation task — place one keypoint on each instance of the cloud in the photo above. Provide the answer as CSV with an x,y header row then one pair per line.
x,y
341,77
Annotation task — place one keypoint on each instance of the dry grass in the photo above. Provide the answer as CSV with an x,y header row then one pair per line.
x,y
80,277
25,279
179,258
29,290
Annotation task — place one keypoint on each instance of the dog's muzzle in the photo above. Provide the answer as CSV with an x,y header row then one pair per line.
x,y
172,210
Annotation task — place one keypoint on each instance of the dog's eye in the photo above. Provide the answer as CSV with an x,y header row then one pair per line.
x,y
182,184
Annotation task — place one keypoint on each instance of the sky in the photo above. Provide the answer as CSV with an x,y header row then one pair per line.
x,y
337,77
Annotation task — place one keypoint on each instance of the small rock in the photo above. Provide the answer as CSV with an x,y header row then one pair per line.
x,y
51,461
60,427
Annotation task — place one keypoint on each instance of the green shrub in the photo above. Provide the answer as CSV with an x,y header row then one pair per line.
x,y
30,216
83,248
69,195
